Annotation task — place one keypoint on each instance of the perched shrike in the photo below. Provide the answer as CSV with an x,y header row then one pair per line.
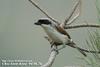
x,y
57,34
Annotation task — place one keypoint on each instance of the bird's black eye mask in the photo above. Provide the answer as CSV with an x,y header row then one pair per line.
x,y
43,21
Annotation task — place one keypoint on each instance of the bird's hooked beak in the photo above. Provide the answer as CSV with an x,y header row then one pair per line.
x,y
37,23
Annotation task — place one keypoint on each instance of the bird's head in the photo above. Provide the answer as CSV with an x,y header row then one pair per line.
x,y
45,24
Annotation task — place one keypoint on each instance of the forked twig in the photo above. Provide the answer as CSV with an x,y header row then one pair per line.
x,y
81,26
45,13
73,10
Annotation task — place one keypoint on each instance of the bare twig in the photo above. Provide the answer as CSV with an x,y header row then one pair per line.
x,y
45,13
81,26
74,18
73,10
77,15
51,58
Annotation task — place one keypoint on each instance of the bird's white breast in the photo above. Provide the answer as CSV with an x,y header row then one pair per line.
x,y
54,34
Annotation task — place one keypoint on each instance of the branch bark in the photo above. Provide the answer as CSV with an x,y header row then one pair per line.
x,y
51,58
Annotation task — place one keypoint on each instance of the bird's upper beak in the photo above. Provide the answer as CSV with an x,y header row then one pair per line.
x,y
37,23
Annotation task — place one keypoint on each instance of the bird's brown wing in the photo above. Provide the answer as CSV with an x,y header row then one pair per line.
x,y
62,31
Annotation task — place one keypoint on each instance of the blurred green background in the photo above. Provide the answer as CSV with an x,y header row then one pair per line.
x,y
21,39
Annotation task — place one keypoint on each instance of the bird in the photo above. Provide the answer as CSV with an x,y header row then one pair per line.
x,y
57,34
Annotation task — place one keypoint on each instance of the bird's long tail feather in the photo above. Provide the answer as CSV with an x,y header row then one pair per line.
x,y
73,45
82,52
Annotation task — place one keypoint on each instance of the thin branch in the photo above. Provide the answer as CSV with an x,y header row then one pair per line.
x,y
73,10
45,13
82,26
77,15
74,18
51,58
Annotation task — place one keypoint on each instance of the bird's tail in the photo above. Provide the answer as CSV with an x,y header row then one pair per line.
x,y
73,45
82,52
